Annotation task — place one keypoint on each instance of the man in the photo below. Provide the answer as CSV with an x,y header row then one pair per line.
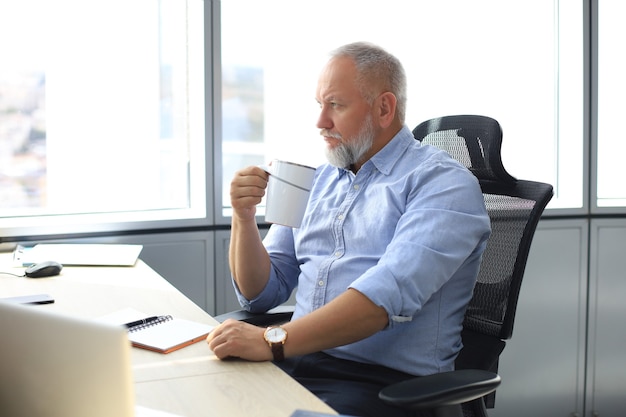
x,y
385,260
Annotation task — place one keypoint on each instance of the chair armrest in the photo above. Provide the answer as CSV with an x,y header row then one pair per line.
x,y
277,315
440,390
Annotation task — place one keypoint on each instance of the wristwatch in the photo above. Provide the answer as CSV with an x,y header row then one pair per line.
x,y
276,337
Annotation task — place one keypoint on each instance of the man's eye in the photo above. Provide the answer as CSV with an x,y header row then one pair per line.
x,y
331,104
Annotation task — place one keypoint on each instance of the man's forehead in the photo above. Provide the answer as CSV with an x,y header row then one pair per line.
x,y
340,68
337,79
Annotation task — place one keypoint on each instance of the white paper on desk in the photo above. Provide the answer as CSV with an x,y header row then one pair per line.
x,y
83,254
164,337
170,335
141,411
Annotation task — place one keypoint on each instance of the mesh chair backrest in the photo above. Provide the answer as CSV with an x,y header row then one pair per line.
x,y
514,207
474,141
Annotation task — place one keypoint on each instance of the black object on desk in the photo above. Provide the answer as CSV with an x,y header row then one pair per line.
x,y
30,299
142,322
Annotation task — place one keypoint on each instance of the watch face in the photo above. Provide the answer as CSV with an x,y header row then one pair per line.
x,y
275,335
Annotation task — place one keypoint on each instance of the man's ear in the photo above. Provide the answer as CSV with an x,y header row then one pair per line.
x,y
386,107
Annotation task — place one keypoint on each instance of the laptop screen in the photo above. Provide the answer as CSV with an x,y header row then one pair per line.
x,y
59,366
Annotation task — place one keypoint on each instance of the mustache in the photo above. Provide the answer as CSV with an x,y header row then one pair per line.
x,y
329,134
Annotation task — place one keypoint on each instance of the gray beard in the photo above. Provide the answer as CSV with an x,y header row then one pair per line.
x,y
346,154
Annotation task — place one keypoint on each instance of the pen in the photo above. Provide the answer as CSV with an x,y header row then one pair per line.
x,y
142,321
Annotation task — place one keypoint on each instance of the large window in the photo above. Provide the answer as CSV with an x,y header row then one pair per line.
x,y
101,113
520,62
103,106
611,169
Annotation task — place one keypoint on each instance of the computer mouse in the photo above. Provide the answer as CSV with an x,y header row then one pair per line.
x,y
43,269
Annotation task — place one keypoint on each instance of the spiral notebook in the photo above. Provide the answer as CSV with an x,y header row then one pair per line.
x,y
164,335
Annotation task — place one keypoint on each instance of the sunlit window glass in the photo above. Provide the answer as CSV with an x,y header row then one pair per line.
x,y
101,107
611,91
461,57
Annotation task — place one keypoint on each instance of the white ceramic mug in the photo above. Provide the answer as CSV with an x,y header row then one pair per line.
x,y
288,191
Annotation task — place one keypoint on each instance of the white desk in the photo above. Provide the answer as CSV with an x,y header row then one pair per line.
x,y
189,382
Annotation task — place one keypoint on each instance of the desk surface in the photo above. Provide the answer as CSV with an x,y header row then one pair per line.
x,y
189,382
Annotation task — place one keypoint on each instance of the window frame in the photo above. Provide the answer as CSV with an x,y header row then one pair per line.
x,y
55,226
592,44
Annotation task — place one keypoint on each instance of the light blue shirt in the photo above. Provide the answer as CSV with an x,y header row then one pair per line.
x,y
407,231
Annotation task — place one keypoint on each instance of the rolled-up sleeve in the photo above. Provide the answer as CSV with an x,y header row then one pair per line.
x,y
283,273
432,239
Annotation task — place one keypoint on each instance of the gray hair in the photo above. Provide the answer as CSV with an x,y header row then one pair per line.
x,y
373,63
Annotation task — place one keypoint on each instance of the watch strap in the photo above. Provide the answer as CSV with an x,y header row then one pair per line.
x,y
278,352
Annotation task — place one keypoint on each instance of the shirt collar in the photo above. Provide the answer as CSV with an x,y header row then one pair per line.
x,y
387,157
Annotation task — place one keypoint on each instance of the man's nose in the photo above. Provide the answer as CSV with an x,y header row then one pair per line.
x,y
323,121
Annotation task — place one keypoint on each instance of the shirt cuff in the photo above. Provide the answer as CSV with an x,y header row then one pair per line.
x,y
261,303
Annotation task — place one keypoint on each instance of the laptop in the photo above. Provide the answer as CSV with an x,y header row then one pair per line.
x,y
79,254
59,366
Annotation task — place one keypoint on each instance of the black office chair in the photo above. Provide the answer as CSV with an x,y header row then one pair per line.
x,y
514,207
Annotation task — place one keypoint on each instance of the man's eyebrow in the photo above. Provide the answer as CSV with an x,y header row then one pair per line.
x,y
331,98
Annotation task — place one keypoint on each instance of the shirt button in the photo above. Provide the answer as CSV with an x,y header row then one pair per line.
x,y
356,187
337,254
321,283
340,217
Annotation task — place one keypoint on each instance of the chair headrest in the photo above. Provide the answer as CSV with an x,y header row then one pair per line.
x,y
475,141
